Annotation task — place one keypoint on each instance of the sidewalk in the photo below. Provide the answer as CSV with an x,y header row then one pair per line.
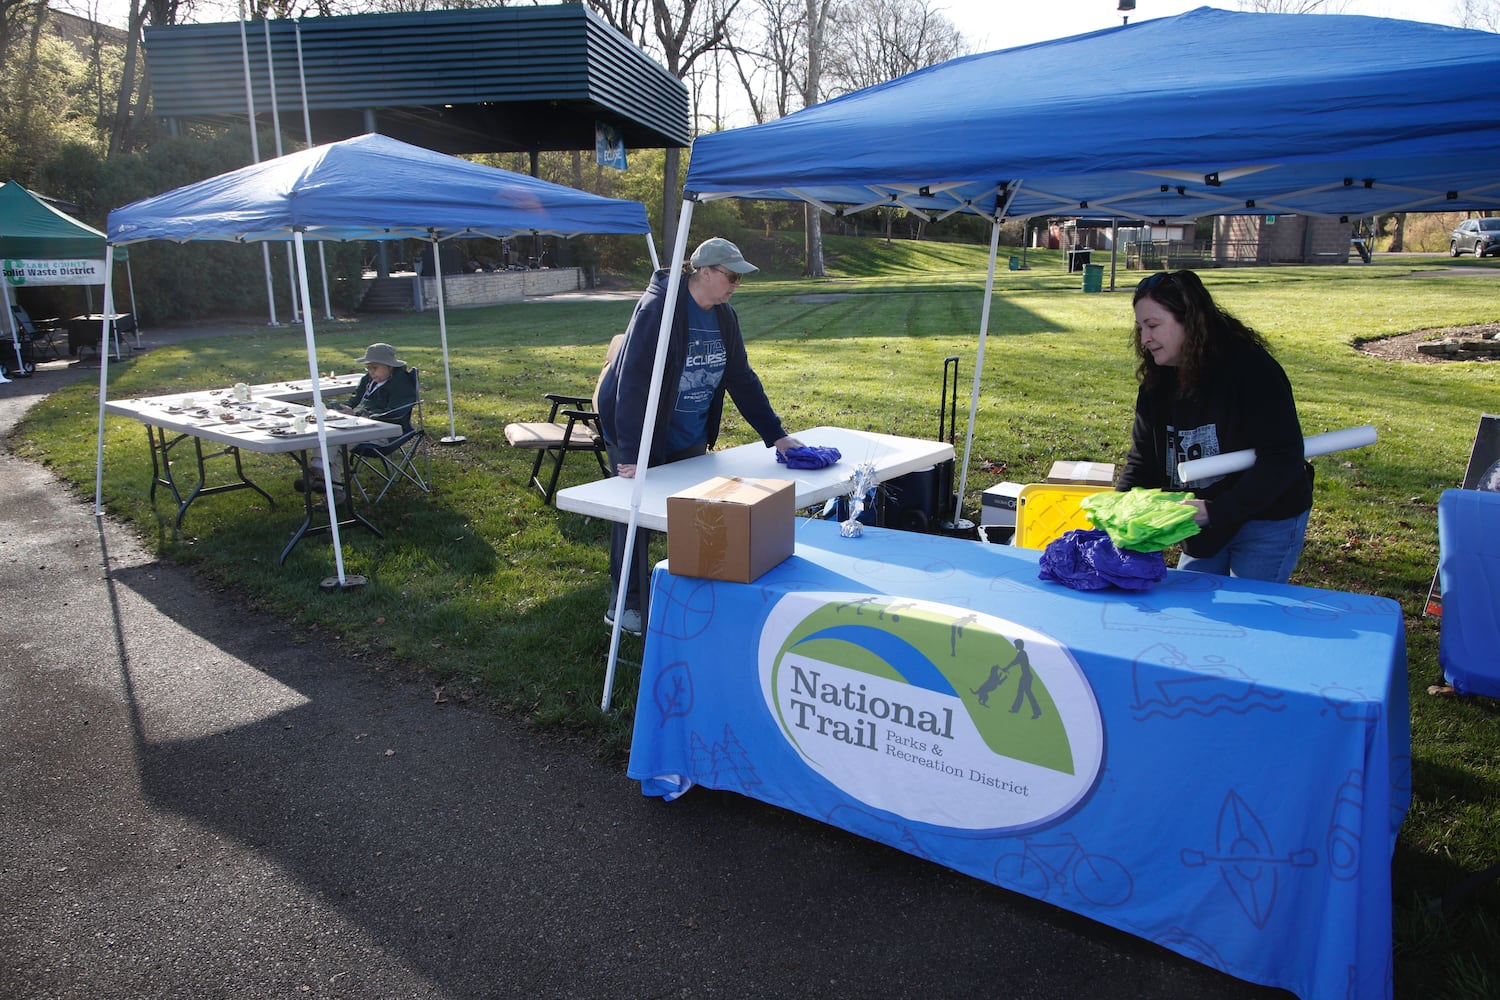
x,y
198,800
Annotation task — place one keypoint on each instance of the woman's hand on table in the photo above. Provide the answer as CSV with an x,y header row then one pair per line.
x,y
787,443
625,471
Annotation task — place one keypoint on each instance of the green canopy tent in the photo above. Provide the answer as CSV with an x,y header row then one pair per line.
x,y
41,245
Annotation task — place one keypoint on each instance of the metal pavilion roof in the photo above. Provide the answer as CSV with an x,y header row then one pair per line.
x,y
488,80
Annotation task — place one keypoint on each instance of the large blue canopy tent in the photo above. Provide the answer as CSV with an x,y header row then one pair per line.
x,y
370,187
1206,113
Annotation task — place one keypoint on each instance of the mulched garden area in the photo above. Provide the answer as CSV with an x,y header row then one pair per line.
x,y
1433,347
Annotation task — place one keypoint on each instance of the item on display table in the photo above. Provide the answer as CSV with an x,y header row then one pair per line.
x,y
998,505
808,457
862,487
729,528
242,392
1198,469
1142,519
1088,560
1101,474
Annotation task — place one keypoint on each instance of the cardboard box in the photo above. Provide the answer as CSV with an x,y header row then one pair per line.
x,y
731,529
997,505
1100,474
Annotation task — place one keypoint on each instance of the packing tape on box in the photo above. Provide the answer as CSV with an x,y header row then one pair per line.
x,y
1197,469
712,539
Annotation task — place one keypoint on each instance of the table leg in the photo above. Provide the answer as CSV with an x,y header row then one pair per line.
x,y
307,527
161,466
161,470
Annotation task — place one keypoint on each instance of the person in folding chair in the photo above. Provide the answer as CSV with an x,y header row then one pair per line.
x,y
380,395
705,359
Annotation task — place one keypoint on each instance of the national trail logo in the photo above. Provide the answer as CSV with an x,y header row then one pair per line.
x,y
940,715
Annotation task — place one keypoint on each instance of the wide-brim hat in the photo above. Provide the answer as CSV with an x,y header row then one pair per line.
x,y
381,354
719,252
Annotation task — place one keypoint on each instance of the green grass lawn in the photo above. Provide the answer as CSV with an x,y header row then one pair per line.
x,y
473,581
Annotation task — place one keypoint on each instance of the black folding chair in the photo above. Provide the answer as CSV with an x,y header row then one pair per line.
x,y
571,426
40,337
404,457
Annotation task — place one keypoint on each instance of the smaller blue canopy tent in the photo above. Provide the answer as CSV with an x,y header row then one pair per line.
x,y
370,187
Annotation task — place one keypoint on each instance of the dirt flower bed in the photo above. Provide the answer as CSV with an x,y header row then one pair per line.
x,y
1404,346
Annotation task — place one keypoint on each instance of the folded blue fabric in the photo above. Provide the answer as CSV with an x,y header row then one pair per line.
x,y
1088,560
808,457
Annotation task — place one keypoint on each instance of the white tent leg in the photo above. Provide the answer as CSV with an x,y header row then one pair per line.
x,y
109,259
15,336
320,411
651,248
437,257
648,431
134,312
984,331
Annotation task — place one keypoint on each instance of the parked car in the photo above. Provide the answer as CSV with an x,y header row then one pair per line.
x,y
1476,236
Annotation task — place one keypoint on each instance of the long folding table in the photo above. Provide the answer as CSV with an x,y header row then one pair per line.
x,y
263,425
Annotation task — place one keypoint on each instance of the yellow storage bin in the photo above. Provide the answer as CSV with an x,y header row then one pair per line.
x,y
1045,511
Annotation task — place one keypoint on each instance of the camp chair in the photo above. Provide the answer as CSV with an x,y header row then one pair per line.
x,y
39,335
571,426
391,461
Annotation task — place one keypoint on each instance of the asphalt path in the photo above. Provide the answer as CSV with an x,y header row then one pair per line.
x,y
197,800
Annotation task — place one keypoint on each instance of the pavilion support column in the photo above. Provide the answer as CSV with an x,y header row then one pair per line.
x,y
669,195
382,247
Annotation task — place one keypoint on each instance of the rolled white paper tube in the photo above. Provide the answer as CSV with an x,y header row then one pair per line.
x,y
1198,469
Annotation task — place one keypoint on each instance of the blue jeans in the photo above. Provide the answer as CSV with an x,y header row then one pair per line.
x,y
1260,550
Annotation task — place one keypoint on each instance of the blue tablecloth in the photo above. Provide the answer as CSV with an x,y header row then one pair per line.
x,y
1469,566
1219,766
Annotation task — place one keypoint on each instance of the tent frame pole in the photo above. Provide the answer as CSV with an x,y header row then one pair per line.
x,y
648,432
340,581
109,301
984,332
437,279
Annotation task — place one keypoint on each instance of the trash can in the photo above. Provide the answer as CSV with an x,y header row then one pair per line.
x,y
1078,259
1093,277
1015,263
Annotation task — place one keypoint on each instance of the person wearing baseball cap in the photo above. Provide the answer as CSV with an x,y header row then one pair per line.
x,y
376,395
705,360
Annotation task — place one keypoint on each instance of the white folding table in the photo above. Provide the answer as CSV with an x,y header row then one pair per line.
x,y
891,456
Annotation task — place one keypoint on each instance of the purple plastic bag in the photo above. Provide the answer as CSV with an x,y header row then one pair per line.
x,y
1088,560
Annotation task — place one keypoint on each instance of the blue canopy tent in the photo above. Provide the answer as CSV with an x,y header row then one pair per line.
x,y
370,187
1206,113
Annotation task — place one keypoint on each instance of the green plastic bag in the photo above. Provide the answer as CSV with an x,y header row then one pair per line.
x,y
1142,520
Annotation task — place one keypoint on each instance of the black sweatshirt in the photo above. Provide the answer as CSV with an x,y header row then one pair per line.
x,y
1246,402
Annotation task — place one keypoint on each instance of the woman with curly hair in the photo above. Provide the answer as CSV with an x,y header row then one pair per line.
x,y
1208,385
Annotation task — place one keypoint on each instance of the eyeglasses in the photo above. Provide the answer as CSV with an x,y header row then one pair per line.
x,y
733,276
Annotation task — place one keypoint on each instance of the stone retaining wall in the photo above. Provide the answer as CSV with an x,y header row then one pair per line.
x,y
484,288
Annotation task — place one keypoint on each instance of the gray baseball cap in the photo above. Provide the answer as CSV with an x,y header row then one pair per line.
x,y
719,251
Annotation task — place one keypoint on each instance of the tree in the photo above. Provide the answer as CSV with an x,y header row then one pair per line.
x,y
1294,6
884,39
1481,14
